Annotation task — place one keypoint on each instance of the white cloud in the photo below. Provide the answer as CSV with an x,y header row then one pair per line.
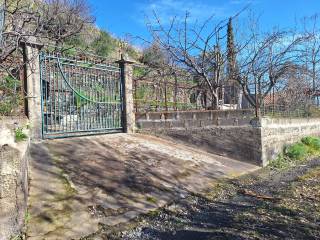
x,y
239,2
167,9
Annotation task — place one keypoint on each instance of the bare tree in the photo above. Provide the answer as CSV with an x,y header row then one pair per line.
x,y
161,74
199,49
264,62
311,52
48,21
292,89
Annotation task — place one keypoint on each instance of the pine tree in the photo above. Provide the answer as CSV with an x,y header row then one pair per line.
x,y
235,94
231,52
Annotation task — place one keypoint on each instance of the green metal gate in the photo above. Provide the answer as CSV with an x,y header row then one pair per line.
x,y
80,96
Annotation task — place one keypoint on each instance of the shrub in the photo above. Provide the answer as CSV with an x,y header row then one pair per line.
x,y
20,135
312,142
309,146
5,108
297,151
282,161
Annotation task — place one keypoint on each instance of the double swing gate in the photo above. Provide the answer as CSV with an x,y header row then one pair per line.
x,y
79,96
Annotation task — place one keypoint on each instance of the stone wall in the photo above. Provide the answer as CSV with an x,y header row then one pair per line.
x,y
13,181
279,133
192,119
232,133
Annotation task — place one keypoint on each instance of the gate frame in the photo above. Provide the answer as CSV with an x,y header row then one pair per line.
x,y
128,116
32,87
32,83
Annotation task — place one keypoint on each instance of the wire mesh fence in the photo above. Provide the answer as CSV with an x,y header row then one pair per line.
x,y
290,103
156,91
162,91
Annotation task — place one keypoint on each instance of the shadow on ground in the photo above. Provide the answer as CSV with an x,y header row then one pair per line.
x,y
265,205
83,185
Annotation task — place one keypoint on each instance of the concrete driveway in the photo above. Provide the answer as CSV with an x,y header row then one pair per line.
x,y
79,185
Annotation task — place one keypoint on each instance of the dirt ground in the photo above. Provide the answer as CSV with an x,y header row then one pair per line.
x,y
267,204
79,187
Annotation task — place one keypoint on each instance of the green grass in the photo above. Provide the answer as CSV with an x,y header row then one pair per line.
x,y
152,200
297,152
27,217
312,142
20,135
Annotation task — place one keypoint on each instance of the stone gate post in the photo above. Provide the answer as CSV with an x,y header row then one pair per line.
x,y
32,87
127,83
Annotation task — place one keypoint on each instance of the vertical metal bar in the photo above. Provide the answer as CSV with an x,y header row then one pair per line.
x,y
44,101
49,95
90,96
83,84
66,92
69,119
75,98
96,105
52,77
72,98
113,99
56,83
87,94
109,97
98,116
60,101
40,57
61,112
104,100
80,100
70,76
64,106
121,99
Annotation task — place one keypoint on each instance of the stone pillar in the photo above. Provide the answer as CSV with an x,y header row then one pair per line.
x,y
129,122
33,88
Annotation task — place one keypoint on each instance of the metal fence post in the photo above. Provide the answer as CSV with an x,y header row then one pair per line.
x,y
127,92
33,87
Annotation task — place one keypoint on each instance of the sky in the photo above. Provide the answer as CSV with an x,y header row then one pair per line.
x,y
125,17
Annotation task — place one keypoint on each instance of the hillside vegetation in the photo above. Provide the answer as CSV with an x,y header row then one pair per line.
x,y
101,43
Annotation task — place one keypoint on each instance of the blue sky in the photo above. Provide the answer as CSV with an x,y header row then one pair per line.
x,y
127,16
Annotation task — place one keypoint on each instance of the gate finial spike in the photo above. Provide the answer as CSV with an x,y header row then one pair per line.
x,y
125,59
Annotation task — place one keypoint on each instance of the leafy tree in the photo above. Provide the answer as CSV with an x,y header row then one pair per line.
x,y
104,45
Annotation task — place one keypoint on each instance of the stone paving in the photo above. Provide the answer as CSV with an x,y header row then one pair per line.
x,y
79,185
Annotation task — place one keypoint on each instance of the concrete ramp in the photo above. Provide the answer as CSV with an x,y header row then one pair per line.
x,y
80,185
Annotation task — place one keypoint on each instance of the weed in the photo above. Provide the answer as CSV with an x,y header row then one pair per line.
x,y
5,108
281,162
151,199
27,217
313,142
297,151
154,213
308,147
20,135
17,237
